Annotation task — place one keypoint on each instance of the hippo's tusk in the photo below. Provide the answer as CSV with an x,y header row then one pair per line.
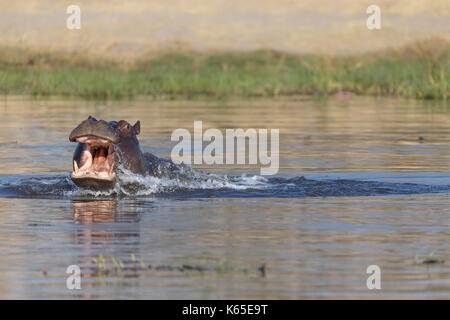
x,y
75,165
111,169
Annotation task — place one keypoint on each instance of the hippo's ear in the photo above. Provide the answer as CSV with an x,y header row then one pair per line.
x,y
137,127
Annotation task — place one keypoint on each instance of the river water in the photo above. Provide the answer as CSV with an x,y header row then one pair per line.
x,y
362,181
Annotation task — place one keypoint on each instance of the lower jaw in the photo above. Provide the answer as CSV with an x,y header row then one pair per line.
x,y
93,181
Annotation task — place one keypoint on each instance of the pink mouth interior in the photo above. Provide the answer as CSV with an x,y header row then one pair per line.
x,y
97,158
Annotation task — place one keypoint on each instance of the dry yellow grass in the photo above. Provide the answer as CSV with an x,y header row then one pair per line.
x,y
129,29
401,7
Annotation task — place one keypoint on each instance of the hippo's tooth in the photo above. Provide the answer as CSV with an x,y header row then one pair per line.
x,y
111,169
75,165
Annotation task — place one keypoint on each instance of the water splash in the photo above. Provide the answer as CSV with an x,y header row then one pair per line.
x,y
172,180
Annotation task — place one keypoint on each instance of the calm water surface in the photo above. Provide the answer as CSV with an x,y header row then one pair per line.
x,y
362,181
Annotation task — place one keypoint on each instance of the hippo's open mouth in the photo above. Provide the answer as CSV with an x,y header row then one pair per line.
x,y
94,158
97,159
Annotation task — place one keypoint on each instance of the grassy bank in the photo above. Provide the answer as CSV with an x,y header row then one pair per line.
x,y
420,71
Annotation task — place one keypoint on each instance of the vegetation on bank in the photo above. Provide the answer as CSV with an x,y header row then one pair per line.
x,y
420,70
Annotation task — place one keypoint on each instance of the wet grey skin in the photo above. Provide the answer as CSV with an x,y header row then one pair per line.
x,y
104,149
95,127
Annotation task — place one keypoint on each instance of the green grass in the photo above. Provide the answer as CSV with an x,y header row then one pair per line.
x,y
420,71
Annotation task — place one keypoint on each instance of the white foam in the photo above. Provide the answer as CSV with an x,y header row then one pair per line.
x,y
131,184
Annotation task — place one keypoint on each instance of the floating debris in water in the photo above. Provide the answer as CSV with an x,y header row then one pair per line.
x,y
262,270
432,261
429,260
131,268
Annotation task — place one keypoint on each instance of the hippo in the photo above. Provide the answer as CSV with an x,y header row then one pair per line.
x,y
104,148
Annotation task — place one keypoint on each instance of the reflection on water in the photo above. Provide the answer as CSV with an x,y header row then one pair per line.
x,y
94,211
99,219
312,246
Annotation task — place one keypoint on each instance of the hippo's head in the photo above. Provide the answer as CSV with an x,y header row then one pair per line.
x,y
102,147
